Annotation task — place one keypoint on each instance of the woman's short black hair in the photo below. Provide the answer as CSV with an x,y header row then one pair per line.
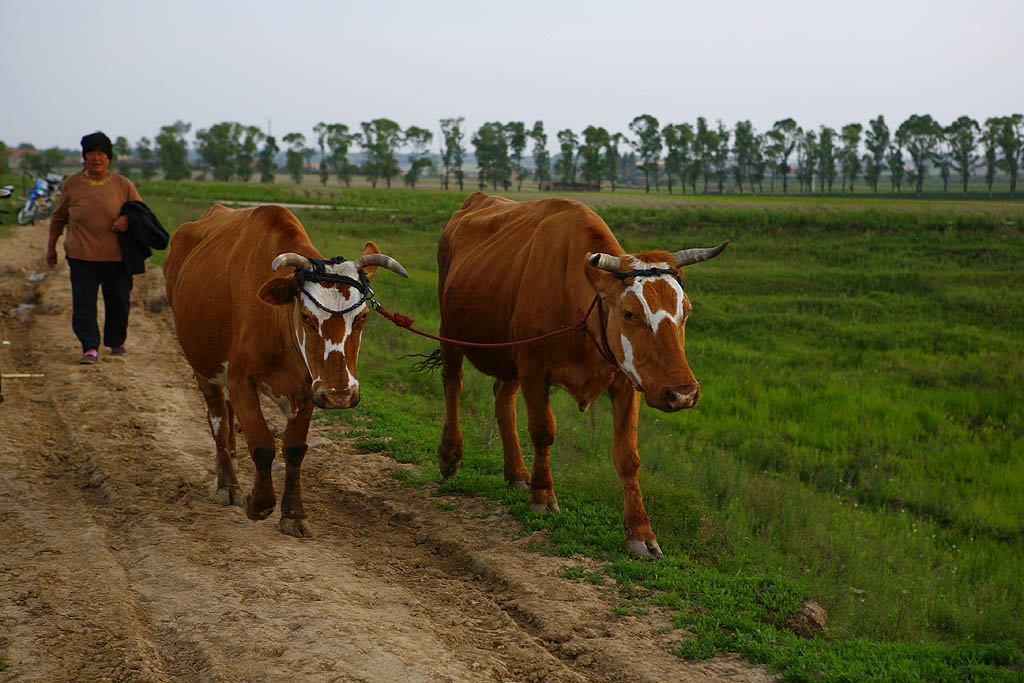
x,y
99,141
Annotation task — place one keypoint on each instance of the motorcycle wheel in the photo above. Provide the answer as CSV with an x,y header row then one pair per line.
x,y
46,210
26,215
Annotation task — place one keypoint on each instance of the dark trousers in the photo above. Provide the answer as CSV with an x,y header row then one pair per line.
x,y
116,282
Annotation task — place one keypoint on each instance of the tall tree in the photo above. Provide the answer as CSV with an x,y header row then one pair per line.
x,y
894,159
380,140
990,145
877,142
595,140
321,130
806,151
218,148
295,156
268,159
744,150
850,160
172,150
339,140
963,140
679,139
704,151
826,158
566,163
610,159
721,155
920,135
144,150
123,151
491,146
647,145
784,136
1009,138
541,157
417,140
247,149
5,159
453,152
515,131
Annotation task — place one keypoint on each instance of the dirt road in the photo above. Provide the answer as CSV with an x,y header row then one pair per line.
x,y
117,564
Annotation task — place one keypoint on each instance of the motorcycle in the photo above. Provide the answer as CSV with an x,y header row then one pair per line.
x,y
42,199
5,192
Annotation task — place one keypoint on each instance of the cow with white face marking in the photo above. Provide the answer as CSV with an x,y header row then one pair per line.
x,y
516,270
247,329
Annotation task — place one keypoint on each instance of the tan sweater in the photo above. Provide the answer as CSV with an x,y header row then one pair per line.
x,y
88,209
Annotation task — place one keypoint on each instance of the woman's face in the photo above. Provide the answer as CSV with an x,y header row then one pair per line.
x,y
96,162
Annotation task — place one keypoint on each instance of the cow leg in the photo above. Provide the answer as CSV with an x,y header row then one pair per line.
x,y
221,426
449,452
505,393
541,425
640,540
293,517
260,503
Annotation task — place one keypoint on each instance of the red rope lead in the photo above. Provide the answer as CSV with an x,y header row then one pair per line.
x,y
406,322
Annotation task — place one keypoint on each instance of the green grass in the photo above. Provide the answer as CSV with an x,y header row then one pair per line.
x,y
858,439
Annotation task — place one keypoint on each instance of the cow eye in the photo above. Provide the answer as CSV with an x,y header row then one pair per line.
x,y
628,315
308,319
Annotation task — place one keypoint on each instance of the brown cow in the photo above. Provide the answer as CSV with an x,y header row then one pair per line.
x,y
246,331
515,270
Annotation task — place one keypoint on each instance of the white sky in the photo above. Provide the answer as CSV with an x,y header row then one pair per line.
x,y
129,67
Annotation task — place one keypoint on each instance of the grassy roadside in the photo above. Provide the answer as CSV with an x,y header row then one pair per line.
x,y
862,383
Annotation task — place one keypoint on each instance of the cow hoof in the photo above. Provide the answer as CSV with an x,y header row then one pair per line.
x,y
254,514
643,550
448,469
519,486
298,528
229,495
550,507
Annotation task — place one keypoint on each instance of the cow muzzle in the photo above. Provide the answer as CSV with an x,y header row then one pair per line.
x,y
671,399
336,399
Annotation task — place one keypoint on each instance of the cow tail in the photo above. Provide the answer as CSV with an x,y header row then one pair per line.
x,y
430,363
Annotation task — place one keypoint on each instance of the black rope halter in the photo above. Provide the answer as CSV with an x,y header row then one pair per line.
x,y
650,272
318,273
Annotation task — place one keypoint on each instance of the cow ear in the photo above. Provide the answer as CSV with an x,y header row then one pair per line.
x,y
278,290
370,248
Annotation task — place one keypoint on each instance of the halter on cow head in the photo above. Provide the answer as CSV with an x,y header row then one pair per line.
x,y
328,299
646,310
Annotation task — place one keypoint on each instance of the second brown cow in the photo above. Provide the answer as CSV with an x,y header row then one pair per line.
x,y
515,270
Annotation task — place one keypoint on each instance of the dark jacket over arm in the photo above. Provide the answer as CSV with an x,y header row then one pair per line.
x,y
144,232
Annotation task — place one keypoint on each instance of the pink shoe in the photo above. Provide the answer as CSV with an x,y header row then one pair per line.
x,y
89,357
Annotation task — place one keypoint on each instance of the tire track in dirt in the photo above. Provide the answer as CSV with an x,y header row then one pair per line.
x,y
118,565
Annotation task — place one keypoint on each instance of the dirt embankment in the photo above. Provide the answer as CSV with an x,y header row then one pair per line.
x,y
117,564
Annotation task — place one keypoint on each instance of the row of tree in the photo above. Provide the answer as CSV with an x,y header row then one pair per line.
x,y
672,155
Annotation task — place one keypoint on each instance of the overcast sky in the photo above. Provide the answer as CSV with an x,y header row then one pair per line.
x,y
129,67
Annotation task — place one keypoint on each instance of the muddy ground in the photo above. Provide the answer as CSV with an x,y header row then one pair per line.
x,y
116,563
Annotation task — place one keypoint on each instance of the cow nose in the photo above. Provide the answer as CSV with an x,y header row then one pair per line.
x,y
678,400
336,399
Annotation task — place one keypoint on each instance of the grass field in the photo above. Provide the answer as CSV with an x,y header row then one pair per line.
x,y
858,440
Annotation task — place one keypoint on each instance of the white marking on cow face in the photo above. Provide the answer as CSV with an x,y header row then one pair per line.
x,y
336,300
627,363
654,317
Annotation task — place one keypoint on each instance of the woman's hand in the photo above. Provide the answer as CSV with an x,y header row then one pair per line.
x,y
120,224
51,255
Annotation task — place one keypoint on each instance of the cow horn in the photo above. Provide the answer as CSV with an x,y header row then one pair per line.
x,y
381,260
291,259
606,262
687,257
